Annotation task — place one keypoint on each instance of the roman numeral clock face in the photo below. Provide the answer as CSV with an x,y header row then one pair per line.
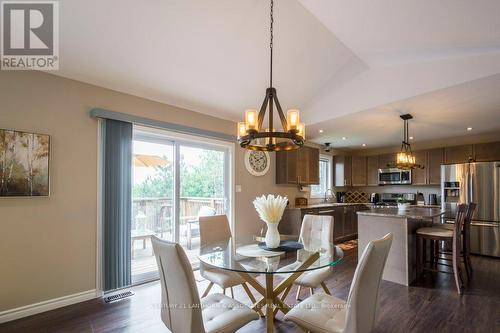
x,y
257,162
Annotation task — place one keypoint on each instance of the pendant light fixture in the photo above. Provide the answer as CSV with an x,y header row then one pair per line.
x,y
405,159
252,136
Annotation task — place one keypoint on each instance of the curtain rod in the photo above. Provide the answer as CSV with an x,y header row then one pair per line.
x,y
108,114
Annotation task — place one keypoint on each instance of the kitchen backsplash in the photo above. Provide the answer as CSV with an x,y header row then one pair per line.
x,y
426,190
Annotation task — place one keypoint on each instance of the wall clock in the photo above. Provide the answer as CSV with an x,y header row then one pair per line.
x,y
257,162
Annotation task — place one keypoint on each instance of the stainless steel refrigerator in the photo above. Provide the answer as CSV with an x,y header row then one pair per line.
x,y
480,183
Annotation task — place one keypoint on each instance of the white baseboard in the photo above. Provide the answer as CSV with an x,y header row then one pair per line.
x,y
51,304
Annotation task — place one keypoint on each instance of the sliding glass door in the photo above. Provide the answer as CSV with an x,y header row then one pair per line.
x,y
152,201
202,192
175,181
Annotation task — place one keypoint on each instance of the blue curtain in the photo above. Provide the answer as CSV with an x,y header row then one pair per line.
x,y
117,203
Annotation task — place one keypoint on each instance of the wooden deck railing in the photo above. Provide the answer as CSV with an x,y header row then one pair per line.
x,y
157,214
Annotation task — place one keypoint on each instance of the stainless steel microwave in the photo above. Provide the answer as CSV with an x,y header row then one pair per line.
x,y
394,176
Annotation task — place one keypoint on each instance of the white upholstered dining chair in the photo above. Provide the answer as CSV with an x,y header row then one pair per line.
x,y
325,313
213,229
316,232
182,311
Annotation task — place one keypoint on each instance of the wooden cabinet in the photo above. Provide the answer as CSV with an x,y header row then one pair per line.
x,y
348,228
458,154
349,221
342,170
384,160
299,166
372,170
286,167
338,224
435,157
419,176
312,162
487,151
363,170
358,170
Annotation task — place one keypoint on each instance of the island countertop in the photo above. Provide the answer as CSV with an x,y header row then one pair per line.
x,y
417,213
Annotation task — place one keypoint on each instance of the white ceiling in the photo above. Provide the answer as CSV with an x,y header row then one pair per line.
x,y
350,66
437,115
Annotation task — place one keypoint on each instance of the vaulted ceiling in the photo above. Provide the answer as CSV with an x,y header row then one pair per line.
x,y
351,66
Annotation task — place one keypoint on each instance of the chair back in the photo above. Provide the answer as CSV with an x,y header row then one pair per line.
x,y
180,303
363,295
460,225
316,232
471,208
213,229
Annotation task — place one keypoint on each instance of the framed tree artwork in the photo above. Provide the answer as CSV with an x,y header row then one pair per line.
x,y
24,164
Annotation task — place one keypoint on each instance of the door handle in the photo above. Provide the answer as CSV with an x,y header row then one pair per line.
x,y
326,211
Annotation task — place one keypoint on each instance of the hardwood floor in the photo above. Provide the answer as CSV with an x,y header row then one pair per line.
x,y
432,305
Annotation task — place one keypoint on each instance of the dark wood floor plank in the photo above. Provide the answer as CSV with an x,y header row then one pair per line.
x,y
431,305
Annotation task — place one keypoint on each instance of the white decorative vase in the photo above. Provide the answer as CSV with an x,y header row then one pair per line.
x,y
272,235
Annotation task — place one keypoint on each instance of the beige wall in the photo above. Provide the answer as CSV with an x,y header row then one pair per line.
x,y
48,245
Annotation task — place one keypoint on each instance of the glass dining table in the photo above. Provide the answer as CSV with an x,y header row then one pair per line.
x,y
247,256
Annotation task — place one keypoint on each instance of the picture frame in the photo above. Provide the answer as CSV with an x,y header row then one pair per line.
x,y
24,164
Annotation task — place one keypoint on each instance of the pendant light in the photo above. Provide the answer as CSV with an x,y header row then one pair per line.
x,y
405,159
252,136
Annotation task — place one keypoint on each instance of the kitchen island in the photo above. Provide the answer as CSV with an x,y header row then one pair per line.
x,y
374,223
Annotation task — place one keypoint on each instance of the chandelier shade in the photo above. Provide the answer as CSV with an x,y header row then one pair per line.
x,y
250,132
405,159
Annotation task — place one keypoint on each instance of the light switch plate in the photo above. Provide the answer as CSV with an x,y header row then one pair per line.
x,y
238,188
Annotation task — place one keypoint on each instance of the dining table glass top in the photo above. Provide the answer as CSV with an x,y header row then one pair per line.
x,y
243,254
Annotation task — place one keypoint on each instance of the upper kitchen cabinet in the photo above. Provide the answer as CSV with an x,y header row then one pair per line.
x,y
458,154
372,170
419,176
299,166
435,157
487,151
342,170
312,165
358,170
384,160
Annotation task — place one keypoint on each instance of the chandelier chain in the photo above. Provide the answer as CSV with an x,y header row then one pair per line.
x,y
250,133
271,42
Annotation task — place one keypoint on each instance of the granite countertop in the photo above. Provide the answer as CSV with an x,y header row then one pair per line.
x,y
418,213
331,204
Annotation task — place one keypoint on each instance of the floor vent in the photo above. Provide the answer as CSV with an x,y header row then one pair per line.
x,y
117,297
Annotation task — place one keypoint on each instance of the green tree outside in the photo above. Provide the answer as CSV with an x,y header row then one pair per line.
x,y
205,179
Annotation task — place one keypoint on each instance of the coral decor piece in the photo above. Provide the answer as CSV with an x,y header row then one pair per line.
x,y
270,210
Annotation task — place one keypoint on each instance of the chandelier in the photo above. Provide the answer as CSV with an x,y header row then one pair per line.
x,y
252,136
405,159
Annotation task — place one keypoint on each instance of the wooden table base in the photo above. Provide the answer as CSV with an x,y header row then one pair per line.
x,y
270,295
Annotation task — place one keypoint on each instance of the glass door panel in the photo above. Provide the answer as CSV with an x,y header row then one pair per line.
x,y
203,192
152,203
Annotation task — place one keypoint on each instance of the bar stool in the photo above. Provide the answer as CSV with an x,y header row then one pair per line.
x,y
438,234
465,241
